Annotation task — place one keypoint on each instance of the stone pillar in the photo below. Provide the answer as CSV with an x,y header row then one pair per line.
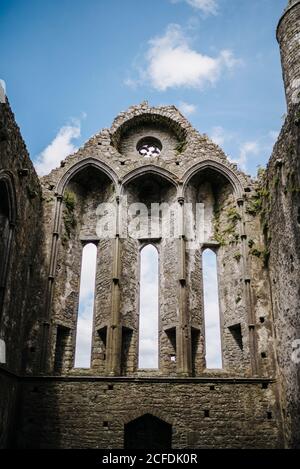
x,y
183,329
114,331
4,267
248,292
46,321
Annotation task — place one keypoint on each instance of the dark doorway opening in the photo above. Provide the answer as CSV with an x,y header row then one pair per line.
x,y
148,432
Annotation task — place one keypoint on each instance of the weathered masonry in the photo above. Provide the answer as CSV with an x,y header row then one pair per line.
x,y
251,228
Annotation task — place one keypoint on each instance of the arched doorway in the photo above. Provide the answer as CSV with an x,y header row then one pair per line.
x,y
148,432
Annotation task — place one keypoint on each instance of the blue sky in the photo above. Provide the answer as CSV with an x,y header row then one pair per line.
x,y
71,66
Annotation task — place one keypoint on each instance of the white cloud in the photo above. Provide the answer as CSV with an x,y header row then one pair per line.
x,y
251,148
2,91
209,7
61,146
218,135
273,135
247,149
131,83
187,108
172,63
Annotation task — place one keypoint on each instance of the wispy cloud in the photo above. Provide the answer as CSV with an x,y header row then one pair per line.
x,y
172,63
263,146
246,150
187,108
209,7
2,91
61,146
219,136
273,134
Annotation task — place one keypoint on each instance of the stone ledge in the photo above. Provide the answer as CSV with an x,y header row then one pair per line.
x,y
148,379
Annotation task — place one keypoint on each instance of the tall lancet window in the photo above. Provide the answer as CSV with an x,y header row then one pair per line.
x,y
213,346
86,307
4,226
148,325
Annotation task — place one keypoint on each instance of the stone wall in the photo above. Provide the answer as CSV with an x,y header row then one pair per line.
x,y
239,407
9,388
22,292
91,413
161,178
281,218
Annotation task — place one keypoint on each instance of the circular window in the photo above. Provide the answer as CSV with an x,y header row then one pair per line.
x,y
149,146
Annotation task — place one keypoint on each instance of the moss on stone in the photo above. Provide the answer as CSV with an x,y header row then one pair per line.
x,y
237,257
261,172
251,243
180,147
69,215
255,252
32,192
233,215
255,204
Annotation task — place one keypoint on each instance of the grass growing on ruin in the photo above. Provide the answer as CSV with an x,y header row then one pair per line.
x,y
222,235
180,147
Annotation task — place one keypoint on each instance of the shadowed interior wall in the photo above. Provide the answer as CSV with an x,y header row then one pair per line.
x,y
280,194
22,266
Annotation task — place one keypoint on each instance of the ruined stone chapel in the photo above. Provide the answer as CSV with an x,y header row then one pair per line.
x,y
152,155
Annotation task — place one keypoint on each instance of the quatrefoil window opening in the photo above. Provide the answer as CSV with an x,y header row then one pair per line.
x,y
149,147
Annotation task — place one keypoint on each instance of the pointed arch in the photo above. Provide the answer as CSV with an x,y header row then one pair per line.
x,y
147,432
148,170
81,165
220,168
